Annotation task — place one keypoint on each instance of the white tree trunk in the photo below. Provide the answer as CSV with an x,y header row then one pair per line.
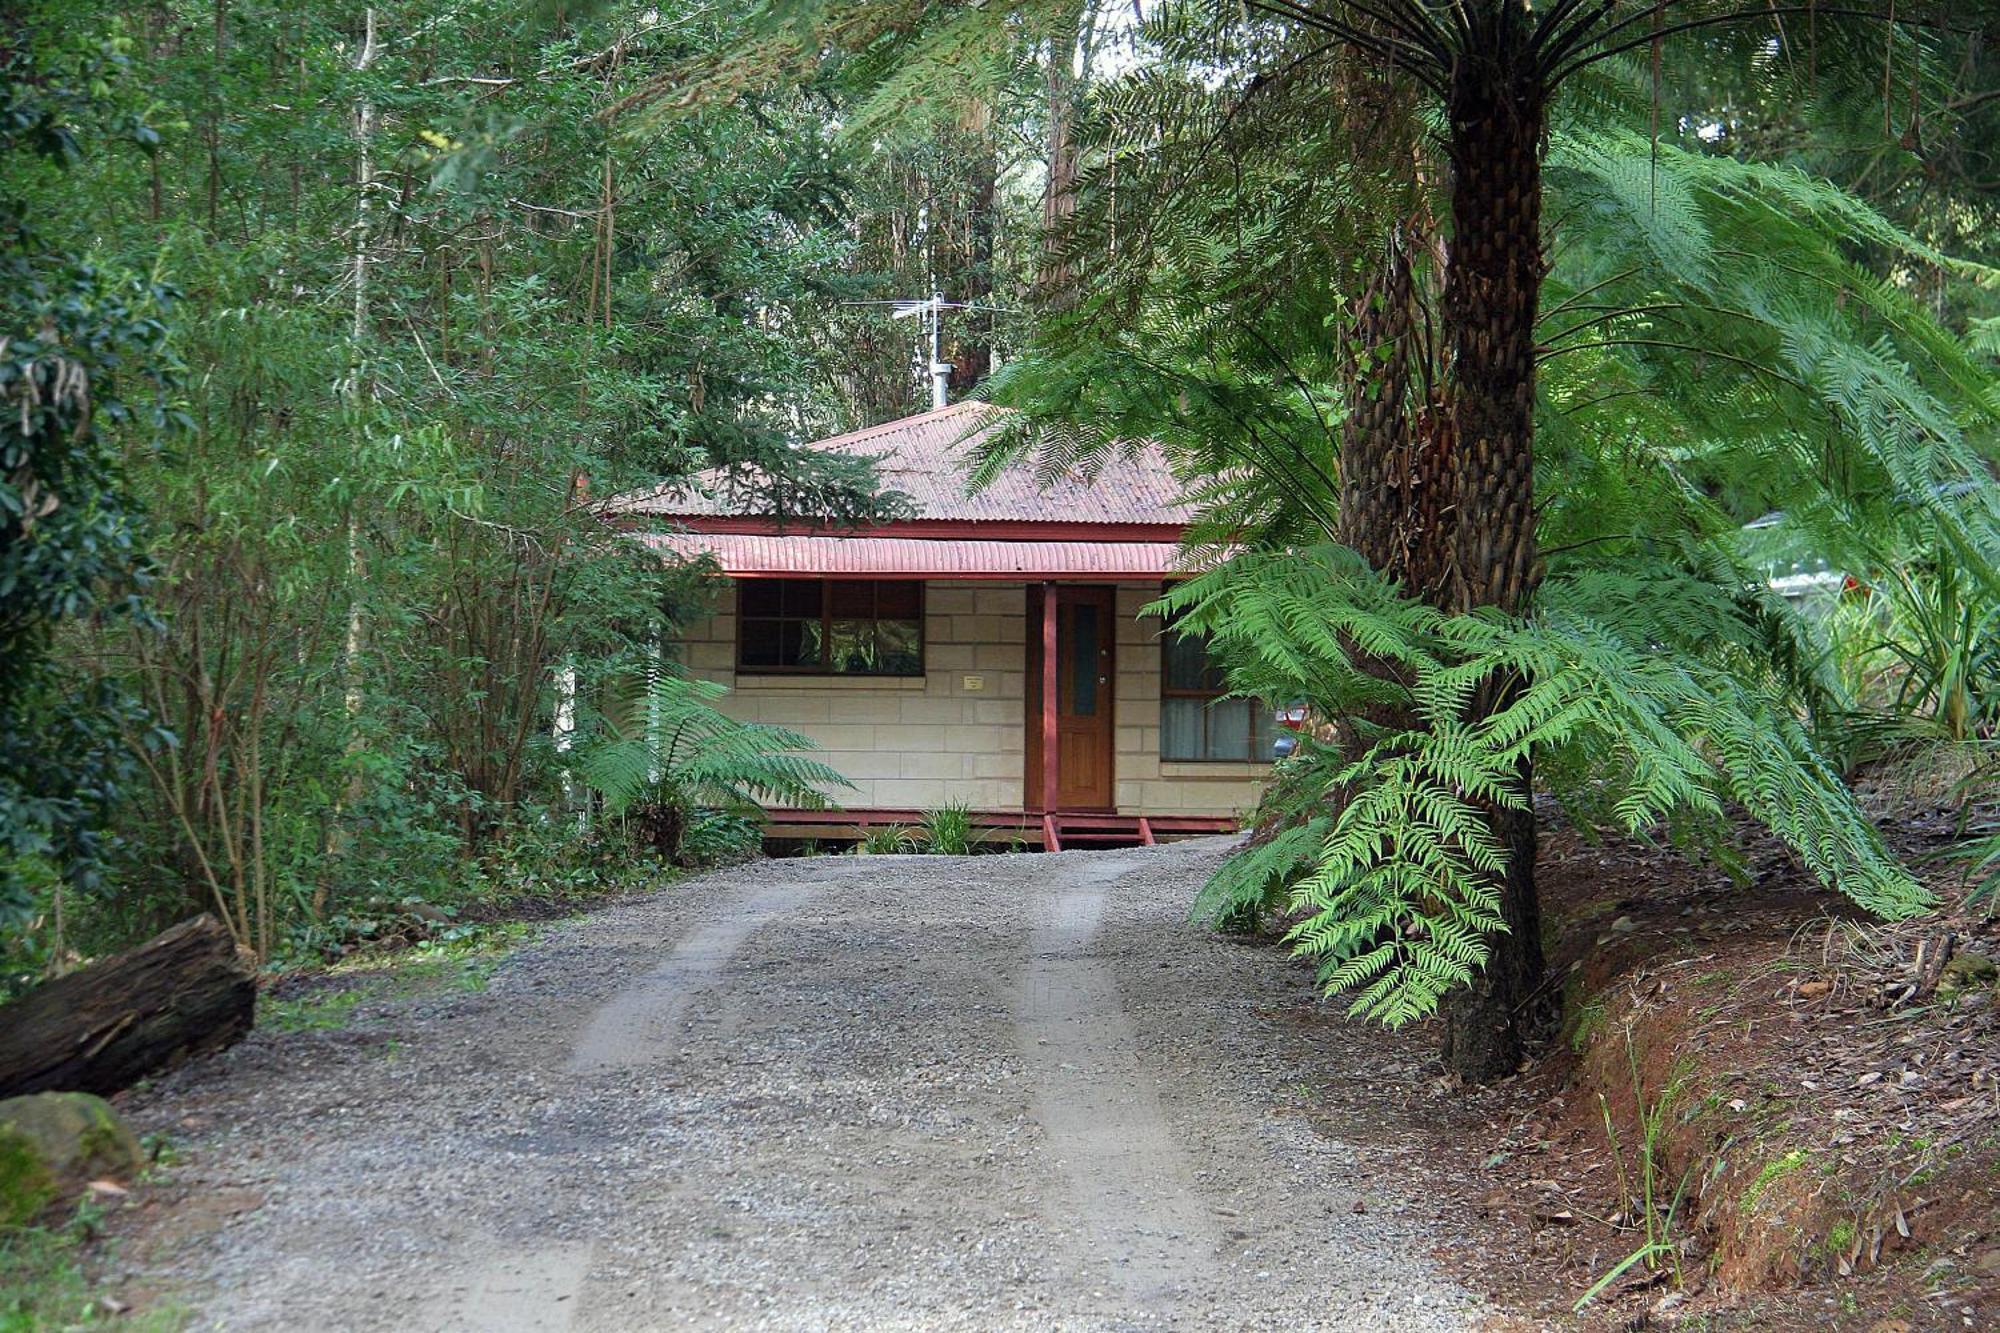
x,y
357,394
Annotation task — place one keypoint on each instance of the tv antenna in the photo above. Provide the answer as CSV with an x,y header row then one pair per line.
x,y
932,309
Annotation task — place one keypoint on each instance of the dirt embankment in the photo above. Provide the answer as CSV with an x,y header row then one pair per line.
x,y
1790,1113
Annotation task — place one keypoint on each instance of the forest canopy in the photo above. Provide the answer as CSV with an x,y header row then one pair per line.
x,y
326,328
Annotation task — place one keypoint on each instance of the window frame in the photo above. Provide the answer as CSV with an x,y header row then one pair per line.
x,y
1210,698
826,619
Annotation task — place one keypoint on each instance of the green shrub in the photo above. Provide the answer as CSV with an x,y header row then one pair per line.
x,y
689,755
720,837
947,830
890,841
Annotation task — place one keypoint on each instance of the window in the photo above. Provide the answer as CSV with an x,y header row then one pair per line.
x,y
849,627
1196,721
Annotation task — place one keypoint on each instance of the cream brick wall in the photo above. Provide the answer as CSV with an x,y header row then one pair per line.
x,y
908,742
903,741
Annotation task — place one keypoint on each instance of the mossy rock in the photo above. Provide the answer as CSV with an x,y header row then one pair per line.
x,y
53,1144
1967,972
25,1186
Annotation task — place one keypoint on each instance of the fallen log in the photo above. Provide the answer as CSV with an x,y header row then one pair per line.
x,y
102,1028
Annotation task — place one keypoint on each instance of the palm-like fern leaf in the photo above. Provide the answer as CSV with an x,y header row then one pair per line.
x,y
688,752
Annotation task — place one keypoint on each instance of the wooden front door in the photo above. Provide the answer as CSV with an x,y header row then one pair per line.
x,y
1085,671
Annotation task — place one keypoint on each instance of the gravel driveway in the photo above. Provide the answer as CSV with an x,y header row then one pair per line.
x,y
1004,1092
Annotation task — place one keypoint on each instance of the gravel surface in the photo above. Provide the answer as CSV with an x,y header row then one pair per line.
x,y
1004,1092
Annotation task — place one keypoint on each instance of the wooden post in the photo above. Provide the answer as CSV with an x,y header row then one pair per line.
x,y
1049,776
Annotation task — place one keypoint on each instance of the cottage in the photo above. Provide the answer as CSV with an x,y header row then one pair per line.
x,y
989,650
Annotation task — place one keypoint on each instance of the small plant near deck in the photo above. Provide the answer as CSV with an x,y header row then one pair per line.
x,y
720,837
895,840
947,830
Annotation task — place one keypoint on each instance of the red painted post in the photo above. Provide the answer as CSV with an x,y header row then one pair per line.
x,y
1049,698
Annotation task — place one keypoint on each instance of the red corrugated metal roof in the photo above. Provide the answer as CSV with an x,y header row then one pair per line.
x,y
929,458
754,554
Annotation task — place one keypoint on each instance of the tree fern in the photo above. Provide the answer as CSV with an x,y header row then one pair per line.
x,y
1712,350
1653,688
684,753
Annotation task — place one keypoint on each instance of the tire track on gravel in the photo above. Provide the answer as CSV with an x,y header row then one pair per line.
x,y
537,1289
531,1292
1130,1188
641,1024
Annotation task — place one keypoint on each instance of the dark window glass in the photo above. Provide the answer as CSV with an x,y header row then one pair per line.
x,y
1187,666
899,600
802,642
851,600
1084,694
868,627
803,597
1197,721
759,642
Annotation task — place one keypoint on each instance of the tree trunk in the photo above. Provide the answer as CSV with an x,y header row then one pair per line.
x,y
101,1029
358,393
1394,470
974,359
1059,190
1497,111
1395,454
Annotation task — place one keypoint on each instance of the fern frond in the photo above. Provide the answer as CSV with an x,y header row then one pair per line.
x,y
1654,685
688,752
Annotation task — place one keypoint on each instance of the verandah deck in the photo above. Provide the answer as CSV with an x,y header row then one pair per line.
x,y
1051,832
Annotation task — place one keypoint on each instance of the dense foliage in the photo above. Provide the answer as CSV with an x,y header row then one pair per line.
x,y
84,360
439,296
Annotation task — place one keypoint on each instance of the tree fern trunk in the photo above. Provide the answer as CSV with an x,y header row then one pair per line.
x,y
1395,477
1493,277
1395,445
1375,436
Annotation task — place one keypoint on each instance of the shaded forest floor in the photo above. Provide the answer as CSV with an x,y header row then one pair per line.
x,y
1818,1097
